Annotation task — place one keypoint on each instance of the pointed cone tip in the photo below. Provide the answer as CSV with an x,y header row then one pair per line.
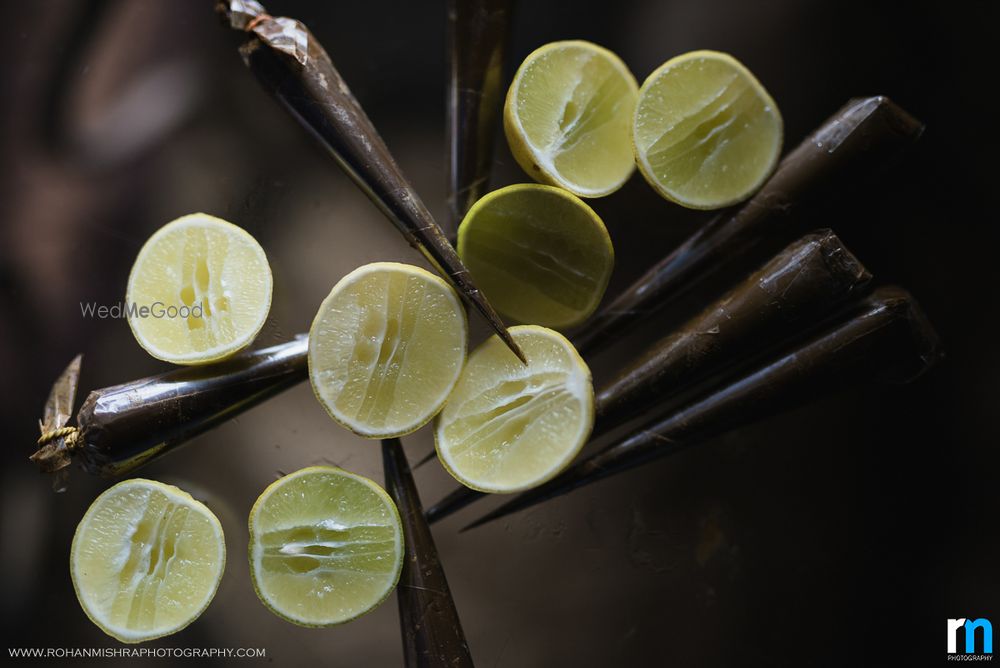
x,y
509,340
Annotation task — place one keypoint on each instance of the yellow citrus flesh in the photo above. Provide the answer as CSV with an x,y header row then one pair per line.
x,y
539,253
210,269
568,115
146,560
507,426
707,134
386,348
326,546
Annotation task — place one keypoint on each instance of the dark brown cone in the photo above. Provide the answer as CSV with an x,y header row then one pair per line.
x,y
290,63
432,632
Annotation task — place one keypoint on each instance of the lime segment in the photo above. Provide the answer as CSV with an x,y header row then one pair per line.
x,y
200,290
706,133
540,254
146,560
508,427
567,117
386,348
326,546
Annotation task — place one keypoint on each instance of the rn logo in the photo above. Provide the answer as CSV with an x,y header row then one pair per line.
x,y
970,626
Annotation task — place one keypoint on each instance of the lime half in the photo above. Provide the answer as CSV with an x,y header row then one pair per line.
x,y
146,560
509,427
326,546
386,348
567,117
706,133
199,290
540,254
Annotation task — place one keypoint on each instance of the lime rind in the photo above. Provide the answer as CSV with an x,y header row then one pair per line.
x,y
539,253
742,116
93,608
255,554
320,374
573,136
494,386
141,326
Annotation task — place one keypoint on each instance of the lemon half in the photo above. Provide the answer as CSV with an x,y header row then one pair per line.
x,y
386,348
706,134
200,290
508,426
539,253
568,115
326,546
146,560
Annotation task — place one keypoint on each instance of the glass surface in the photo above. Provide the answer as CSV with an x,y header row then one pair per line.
x,y
843,533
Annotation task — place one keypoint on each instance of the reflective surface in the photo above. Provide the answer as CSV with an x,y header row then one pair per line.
x,y
765,547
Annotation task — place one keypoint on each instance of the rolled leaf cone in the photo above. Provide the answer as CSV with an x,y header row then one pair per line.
x,y
798,288
120,428
432,632
886,336
852,145
53,454
793,292
290,63
478,33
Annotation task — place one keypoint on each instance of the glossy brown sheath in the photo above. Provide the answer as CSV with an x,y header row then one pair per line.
x,y
793,292
120,428
886,336
798,288
477,39
853,144
432,632
290,63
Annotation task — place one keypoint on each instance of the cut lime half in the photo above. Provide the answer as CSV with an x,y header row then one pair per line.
x,y
567,117
146,560
326,546
539,253
706,133
199,291
507,426
386,347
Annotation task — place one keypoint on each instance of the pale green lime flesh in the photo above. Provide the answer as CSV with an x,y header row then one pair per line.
x,y
706,133
146,560
326,546
540,254
567,117
508,426
386,347
207,286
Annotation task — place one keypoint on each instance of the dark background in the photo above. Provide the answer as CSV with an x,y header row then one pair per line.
x,y
845,532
